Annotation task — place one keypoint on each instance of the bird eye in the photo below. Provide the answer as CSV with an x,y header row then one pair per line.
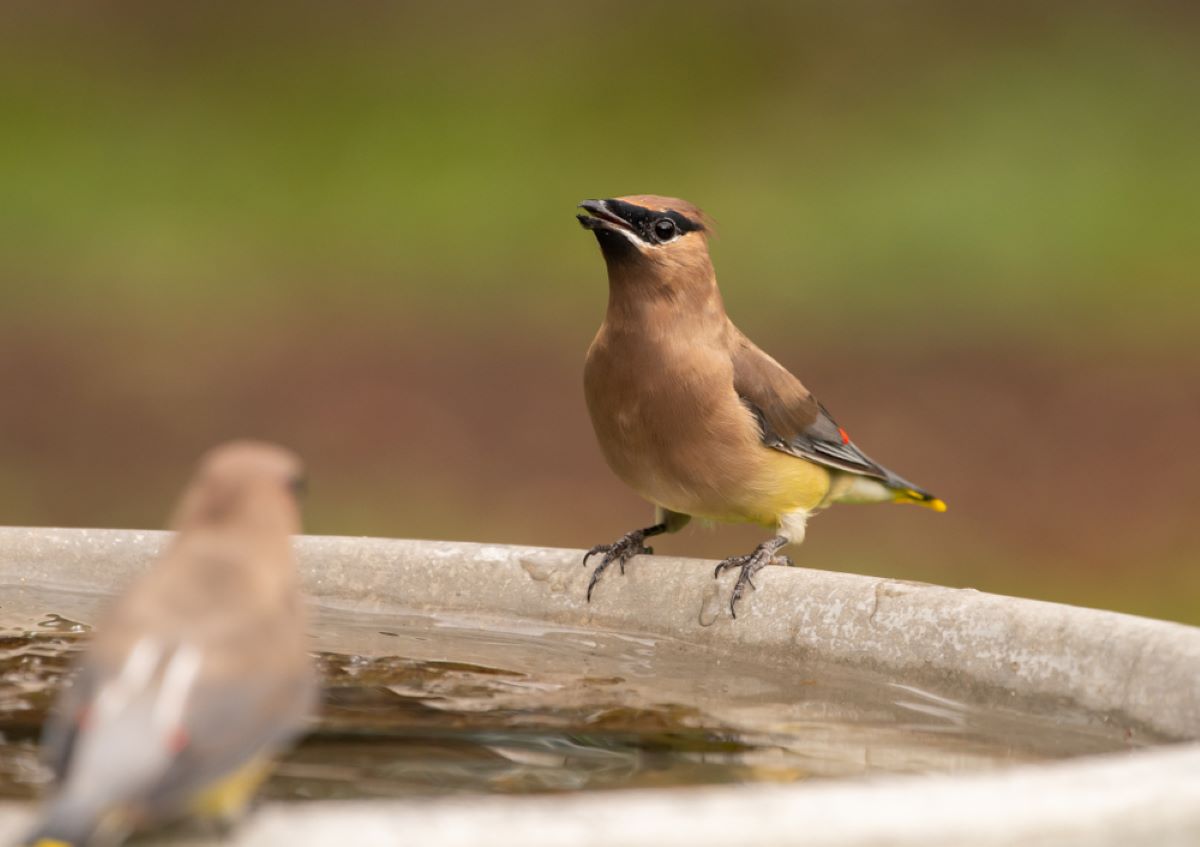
x,y
298,485
664,229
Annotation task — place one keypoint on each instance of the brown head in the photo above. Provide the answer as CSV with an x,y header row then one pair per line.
x,y
653,246
248,484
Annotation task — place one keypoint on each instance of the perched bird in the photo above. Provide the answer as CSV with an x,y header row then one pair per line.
x,y
691,414
198,673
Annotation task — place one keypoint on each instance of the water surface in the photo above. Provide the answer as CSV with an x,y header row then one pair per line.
x,y
421,704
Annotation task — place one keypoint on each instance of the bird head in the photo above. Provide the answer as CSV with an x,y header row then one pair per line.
x,y
649,234
244,481
656,249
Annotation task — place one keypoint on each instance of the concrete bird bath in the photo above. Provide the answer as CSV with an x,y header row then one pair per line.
x,y
1076,673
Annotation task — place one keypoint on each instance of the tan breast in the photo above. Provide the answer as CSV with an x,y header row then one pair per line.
x,y
671,426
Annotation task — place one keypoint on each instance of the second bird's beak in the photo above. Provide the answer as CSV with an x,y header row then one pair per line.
x,y
600,217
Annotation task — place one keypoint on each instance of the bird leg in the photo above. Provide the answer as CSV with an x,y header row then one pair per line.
x,y
764,554
621,551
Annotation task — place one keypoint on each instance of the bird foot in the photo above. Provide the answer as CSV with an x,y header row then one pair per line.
x,y
620,551
764,554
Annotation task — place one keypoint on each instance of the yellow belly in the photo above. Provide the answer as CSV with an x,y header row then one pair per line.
x,y
784,484
228,798
774,484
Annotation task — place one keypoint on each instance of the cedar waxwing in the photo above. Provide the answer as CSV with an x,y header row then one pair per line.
x,y
197,673
691,414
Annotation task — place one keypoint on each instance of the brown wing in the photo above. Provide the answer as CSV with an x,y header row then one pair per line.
x,y
791,418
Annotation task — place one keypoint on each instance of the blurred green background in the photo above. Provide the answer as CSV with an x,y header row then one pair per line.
x,y
972,229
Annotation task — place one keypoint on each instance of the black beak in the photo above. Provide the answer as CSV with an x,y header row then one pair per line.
x,y
600,216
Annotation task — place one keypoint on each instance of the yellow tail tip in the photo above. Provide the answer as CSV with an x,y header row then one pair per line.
x,y
919,499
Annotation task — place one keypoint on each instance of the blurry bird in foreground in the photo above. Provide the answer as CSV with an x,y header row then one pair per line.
x,y
691,414
198,672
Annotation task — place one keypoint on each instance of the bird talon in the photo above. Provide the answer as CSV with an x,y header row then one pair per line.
x,y
592,582
620,551
729,564
750,564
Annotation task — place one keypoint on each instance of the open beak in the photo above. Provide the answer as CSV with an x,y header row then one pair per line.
x,y
599,216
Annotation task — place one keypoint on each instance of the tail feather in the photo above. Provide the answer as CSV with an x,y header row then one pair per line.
x,y
905,492
64,824
920,498
55,834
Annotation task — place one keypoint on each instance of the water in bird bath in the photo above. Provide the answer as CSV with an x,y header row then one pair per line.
x,y
432,704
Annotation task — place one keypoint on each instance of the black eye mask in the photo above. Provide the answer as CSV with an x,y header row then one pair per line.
x,y
651,226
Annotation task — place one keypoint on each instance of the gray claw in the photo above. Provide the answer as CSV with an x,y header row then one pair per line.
x,y
620,551
763,555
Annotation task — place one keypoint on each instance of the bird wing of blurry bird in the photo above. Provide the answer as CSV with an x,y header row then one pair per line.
x,y
794,421
179,715
173,725
62,725
224,721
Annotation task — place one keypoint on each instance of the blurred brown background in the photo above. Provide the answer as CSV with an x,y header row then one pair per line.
x,y
349,227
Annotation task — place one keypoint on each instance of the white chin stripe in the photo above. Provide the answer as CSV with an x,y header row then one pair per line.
x,y
629,236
